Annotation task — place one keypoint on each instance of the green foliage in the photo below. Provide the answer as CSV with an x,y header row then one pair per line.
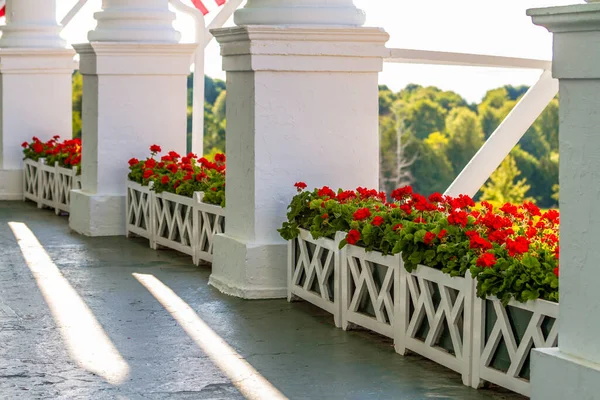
x,y
434,151
77,103
465,137
502,187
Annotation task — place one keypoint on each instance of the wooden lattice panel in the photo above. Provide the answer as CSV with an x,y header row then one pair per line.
x,y
369,289
138,210
538,330
211,222
314,272
47,188
31,180
436,312
65,182
173,223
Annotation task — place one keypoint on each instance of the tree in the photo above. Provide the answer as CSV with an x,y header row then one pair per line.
x,y
502,188
77,103
465,137
424,117
219,109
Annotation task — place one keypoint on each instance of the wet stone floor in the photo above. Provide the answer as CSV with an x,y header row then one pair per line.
x,y
109,318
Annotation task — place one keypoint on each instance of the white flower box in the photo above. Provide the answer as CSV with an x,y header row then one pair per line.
x,y
370,290
515,330
31,180
174,223
138,210
66,179
47,188
210,222
314,272
435,318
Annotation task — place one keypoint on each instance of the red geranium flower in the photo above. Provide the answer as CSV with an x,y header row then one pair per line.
x,y
402,193
378,220
518,246
556,271
397,226
429,238
148,173
325,191
325,216
486,260
300,186
164,180
24,145
155,148
38,147
220,158
133,161
353,236
362,213
442,234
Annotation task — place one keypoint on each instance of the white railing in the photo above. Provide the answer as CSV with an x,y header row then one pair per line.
x,y
72,13
511,130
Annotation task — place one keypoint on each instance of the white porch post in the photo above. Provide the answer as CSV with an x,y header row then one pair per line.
x,y
302,105
35,85
572,371
134,78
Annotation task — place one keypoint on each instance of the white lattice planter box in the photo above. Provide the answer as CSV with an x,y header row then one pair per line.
x,y
31,180
47,188
174,223
314,272
138,210
504,336
210,222
370,290
66,179
436,318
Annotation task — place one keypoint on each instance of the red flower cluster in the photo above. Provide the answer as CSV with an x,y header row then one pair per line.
x,y
182,175
67,153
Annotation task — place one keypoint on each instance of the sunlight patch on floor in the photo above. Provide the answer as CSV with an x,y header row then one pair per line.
x,y
85,339
247,380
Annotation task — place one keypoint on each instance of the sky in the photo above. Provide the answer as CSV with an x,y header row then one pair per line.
x,y
468,26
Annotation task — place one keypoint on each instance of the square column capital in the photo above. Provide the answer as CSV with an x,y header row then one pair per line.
x,y
576,30
302,48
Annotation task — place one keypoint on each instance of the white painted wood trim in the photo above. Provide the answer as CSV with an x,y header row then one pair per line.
x,y
418,290
173,223
315,269
139,210
31,180
357,271
483,351
209,222
411,56
47,185
65,181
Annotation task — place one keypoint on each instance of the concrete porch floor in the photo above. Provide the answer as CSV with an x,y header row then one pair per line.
x,y
295,346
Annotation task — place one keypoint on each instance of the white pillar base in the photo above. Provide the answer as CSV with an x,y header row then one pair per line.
x,y
246,270
97,215
11,184
556,376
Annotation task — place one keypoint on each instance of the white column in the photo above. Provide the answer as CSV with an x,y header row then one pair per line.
x,y
572,371
302,105
35,85
135,95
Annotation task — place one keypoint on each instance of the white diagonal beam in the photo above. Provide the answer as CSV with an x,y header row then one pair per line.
x,y
505,137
